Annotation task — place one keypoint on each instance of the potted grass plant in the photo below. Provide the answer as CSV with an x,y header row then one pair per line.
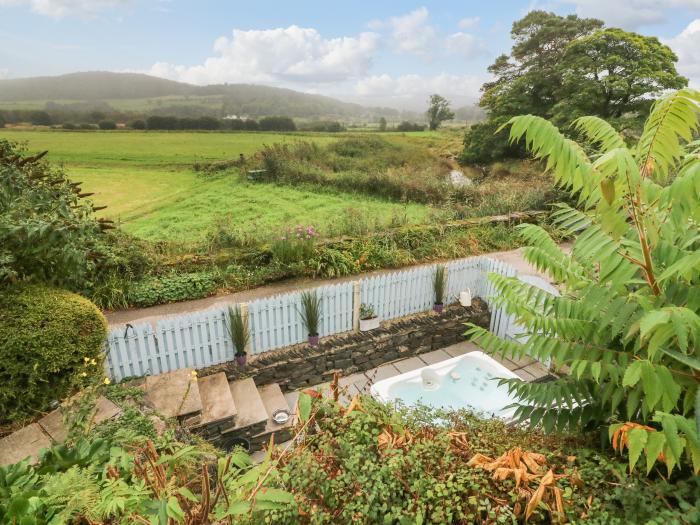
x,y
239,333
439,288
311,314
368,318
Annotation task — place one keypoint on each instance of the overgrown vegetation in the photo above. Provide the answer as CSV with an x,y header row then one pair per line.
x,y
368,463
370,165
124,471
627,325
362,463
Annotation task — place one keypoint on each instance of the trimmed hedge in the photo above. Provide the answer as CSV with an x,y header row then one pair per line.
x,y
51,343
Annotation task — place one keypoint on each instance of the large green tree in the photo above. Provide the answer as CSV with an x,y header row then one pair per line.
x,y
614,74
438,111
564,67
627,323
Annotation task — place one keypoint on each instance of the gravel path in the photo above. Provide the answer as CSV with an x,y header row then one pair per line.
x,y
153,313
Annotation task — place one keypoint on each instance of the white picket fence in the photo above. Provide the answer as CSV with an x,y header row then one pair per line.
x,y
200,339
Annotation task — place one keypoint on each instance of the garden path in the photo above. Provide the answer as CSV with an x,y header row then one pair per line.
x,y
153,314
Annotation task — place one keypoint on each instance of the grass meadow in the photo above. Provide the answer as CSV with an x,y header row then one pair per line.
x,y
147,181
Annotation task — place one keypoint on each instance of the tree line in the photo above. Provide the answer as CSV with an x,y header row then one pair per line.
x,y
98,120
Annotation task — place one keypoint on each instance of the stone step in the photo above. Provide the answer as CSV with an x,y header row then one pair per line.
x,y
250,407
53,425
274,400
218,407
174,394
26,442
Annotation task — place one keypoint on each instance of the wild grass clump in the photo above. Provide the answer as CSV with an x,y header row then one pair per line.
x,y
369,165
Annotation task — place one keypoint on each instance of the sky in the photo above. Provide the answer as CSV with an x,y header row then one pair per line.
x,y
386,53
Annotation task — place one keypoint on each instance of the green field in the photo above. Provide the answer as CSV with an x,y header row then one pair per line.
x,y
146,180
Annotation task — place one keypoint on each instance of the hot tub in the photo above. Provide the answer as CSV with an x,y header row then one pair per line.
x,y
467,381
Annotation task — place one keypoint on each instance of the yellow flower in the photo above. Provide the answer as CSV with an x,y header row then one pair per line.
x,y
106,381
84,374
93,362
86,360
193,373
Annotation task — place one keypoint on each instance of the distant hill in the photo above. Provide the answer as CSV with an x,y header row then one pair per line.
x,y
94,85
164,95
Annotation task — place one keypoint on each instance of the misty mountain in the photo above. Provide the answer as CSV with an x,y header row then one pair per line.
x,y
137,92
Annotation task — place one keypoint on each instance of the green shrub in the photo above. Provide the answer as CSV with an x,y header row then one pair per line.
x,y
172,288
483,143
47,231
51,343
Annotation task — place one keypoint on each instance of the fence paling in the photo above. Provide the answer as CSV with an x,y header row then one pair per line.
x,y
201,339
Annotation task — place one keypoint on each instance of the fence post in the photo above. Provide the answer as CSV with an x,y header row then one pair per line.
x,y
356,306
245,315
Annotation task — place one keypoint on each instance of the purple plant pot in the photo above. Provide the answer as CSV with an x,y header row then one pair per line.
x,y
313,340
240,360
438,307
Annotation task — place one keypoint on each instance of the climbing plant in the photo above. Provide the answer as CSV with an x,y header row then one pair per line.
x,y
626,326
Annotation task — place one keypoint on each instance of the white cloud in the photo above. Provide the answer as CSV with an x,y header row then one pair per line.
x,y
469,23
630,14
61,8
375,24
466,45
687,46
413,90
412,33
279,56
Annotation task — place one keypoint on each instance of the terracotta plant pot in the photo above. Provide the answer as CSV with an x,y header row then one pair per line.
x,y
369,324
438,307
240,360
313,340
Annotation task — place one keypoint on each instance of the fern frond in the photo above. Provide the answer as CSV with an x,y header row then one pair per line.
x,y
680,197
672,122
595,248
570,220
571,167
599,132
545,255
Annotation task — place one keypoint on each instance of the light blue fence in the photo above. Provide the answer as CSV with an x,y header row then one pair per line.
x,y
276,321
200,339
398,294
